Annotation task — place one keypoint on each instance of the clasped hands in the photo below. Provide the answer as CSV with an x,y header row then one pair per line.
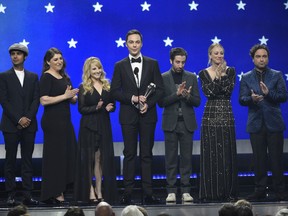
x,y
182,91
256,97
108,107
142,100
24,122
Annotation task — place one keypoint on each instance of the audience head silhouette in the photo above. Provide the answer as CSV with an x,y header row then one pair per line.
x,y
104,209
131,210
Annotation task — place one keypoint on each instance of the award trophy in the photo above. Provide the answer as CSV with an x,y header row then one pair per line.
x,y
151,88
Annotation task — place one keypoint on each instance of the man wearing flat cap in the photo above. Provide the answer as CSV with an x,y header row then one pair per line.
x,y
19,98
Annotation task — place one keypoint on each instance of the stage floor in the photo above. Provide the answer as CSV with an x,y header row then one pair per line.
x,y
196,208
188,209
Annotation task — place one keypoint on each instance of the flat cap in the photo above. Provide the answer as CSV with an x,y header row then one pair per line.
x,y
19,47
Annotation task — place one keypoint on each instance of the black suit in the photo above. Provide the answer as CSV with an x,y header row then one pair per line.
x,y
133,123
18,102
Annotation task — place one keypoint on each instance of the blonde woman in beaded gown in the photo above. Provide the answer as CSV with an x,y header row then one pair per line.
x,y
218,163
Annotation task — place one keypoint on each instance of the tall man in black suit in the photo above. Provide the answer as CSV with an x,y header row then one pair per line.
x,y
19,97
179,122
131,77
262,90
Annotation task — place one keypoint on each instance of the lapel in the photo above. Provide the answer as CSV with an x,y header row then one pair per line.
x,y
15,81
26,81
129,72
171,82
184,77
268,76
144,70
255,82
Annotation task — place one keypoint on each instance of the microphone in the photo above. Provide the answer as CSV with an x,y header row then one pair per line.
x,y
136,71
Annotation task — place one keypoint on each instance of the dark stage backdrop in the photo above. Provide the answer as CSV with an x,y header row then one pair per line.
x,y
84,28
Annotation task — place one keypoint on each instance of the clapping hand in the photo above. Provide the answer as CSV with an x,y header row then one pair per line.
x,y
109,107
181,88
183,91
264,88
186,92
70,93
255,97
99,105
221,69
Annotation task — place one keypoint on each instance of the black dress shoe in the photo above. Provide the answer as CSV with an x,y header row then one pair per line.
x,y
94,201
151,200
11,201
30,201
125,200
256,196
54,201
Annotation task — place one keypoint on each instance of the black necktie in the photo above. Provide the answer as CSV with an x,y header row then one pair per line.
x,y
136,60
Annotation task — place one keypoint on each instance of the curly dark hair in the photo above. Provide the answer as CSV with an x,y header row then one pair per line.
x,y
257,47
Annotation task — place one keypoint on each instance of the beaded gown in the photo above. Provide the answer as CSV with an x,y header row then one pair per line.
x,y
218,162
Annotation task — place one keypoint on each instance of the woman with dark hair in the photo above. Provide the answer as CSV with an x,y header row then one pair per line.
x,y
59,147
96,151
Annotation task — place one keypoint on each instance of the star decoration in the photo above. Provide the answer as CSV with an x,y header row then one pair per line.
x,y
240,75
286,76
72,43
286,5
97,7
241,5
145,6
2,8
263,40
168,42
193,6
216,40
120,42
49,8
25,43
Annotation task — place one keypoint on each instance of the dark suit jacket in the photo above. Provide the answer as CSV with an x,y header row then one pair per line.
x,y
268,111
170,102
123,86
18,101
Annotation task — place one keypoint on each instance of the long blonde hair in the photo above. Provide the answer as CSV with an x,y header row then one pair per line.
x,y
87,81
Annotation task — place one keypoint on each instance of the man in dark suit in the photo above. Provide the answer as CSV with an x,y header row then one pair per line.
x,y
179,123
138,114
19,97
262,90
